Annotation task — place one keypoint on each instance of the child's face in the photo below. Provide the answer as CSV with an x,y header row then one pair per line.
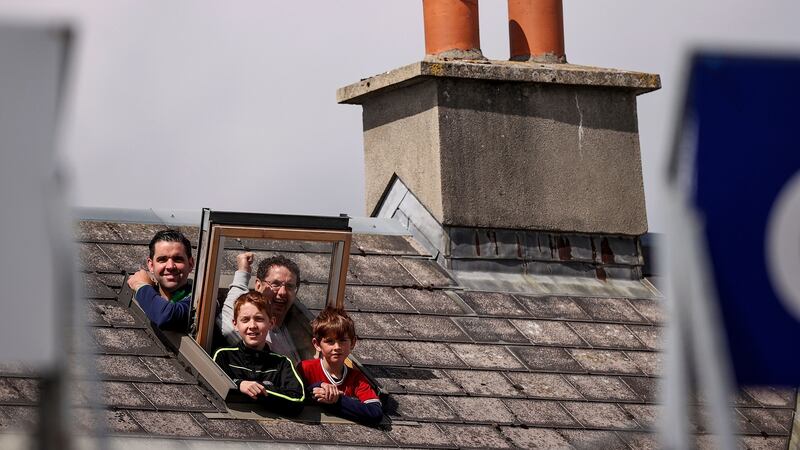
x,y
253,325
334,350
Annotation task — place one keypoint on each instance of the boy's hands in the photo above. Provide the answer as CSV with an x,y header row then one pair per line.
x,y
244,261
252,389
326,393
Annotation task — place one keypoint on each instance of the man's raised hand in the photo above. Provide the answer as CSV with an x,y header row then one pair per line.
x,y
139,279
244,261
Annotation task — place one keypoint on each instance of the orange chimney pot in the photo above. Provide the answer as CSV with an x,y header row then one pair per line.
x,y
451,26
536,30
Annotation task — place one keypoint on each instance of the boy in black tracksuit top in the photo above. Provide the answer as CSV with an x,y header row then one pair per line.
x,y
264,376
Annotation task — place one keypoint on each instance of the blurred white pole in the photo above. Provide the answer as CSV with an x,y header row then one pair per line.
x,y
35,232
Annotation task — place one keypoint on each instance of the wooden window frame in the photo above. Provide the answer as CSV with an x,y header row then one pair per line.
x,y
218,226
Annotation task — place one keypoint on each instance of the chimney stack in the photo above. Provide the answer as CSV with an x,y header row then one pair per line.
x,y
451,29
504,145
536,30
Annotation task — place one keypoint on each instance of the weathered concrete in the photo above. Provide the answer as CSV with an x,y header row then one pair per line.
x,y
507,144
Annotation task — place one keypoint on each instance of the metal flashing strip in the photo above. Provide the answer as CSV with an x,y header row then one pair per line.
x,y
532,284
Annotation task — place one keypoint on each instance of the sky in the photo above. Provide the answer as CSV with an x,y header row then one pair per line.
x,y
188,104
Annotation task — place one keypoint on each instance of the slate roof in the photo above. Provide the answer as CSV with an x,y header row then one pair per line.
x,y
463,368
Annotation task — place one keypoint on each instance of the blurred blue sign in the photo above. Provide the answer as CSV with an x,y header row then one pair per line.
x,y
743,115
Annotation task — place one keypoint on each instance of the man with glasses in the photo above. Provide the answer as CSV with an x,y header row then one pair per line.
x,y
277,277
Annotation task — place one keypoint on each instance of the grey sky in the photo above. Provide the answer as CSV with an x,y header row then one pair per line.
x,y
239,97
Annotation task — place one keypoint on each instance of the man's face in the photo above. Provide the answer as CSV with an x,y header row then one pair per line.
x,y
252,324
170,266
283,284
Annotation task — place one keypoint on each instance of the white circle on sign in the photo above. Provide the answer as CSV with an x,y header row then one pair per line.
x,y
783,246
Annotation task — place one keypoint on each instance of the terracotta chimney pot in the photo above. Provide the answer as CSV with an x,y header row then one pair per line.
x,y
536,30
451,29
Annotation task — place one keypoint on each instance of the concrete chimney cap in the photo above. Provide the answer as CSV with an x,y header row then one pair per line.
x,y
566,74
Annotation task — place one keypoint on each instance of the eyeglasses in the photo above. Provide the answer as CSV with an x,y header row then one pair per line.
x,y
276,286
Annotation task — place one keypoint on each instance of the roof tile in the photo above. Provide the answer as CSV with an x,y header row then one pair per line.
x,y
117,394
490,330
595,387
93,287
168,370
493,304
770,421
18,418
646,415
18,391
384,244
646,388
640,441
481,382
378,325
606,361
772,396
125,341
357,434
610,309
418,407
432,328
428,381
648,362
544,385
232,429
90,421
553,307
534,438
549,359
427,272
136,231
428,354
541,413
169,423
651,336
374,298
314,267
703,421
112,280
548,332
176,397
16,368
481,410
421,434
385,378
377,353
314,295
475,436
651,309
601,415
92,258
486,356
383,270
289,430
589,439
110,312
607,335
765,443
127,257
123,368
87,230
432,301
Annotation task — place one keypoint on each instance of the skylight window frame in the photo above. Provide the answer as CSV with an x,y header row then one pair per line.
x,y
216,226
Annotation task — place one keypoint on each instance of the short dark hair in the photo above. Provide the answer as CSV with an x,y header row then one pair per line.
x,y
170,235
258,299
280,261
333,321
